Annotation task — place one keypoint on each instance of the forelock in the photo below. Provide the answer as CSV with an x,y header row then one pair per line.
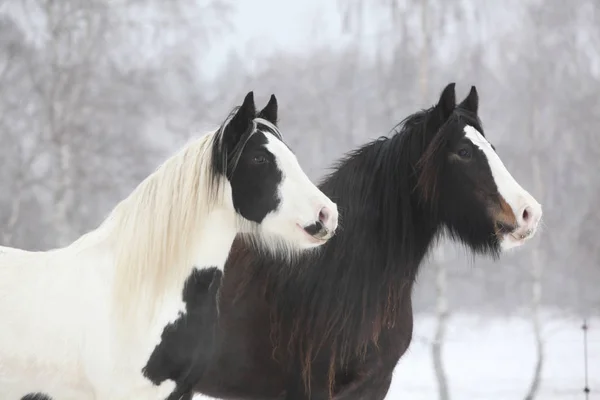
x,y
234,158
468,118
267,127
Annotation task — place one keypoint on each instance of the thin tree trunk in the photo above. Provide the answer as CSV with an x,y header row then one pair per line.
x,y
62,152
536,269
536,296
536,272
441,284
13,217
424,56
63,192
441,275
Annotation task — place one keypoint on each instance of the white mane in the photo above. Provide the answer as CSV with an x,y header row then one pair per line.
x,y
154,230
88,320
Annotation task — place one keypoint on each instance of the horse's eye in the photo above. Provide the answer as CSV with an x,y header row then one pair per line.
x,y
464,153
259,159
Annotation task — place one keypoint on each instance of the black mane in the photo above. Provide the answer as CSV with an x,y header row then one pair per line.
x,y
333,322
343,304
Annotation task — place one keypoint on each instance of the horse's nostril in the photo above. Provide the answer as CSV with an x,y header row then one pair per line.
x,y
526,214
324,215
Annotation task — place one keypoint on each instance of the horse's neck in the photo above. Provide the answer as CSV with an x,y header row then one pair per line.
x,y
211,247
216,238
395,230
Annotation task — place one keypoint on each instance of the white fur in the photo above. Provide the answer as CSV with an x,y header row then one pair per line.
x,y
293,188
80,322
516,197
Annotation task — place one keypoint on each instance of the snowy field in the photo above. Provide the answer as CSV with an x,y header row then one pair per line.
x,y
493,359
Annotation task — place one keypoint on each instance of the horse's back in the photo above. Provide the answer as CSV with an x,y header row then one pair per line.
x,y
10,252
20,262
41,304
18,269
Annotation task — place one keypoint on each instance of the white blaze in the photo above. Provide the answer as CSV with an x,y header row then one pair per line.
x,y
517,198
509,189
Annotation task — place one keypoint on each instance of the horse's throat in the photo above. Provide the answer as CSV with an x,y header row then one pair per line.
x,y
215,239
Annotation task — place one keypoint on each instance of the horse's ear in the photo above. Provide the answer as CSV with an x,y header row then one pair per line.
x,y
269,113
447,102
471,102
239,123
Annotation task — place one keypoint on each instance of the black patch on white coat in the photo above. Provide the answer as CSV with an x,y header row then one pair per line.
x,y
36,396
239,153
255,182
191,336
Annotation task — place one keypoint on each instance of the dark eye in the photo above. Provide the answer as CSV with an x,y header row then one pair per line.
x,y
260,159
464,153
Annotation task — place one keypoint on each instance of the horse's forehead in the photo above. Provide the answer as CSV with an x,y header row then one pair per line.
x,y
277,147
266,126
477,138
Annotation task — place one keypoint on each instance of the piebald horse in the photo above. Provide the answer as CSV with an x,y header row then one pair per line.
x,y
334,323
84,321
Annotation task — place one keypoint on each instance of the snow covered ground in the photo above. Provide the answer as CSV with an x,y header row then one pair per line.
x,y
493,359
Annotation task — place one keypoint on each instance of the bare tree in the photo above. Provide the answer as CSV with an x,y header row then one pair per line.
x,y
441,279
94,77
536,284
63,84
23,144
442,315
425,53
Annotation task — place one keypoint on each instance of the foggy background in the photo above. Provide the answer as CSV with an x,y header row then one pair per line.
x,y
94,94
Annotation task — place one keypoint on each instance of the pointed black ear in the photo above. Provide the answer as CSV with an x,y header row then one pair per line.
x,y
447,102
471,102
270,111
239,123
244,114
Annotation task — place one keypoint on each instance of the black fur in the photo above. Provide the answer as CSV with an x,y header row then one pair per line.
x,y
255,185
348,292
36,396
191,336
336,321
270,111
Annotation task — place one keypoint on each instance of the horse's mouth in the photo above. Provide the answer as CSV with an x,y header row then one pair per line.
x,y
502,228
515,236
317,232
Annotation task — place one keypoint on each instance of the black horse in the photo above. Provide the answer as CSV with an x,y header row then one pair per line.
x,y
333,324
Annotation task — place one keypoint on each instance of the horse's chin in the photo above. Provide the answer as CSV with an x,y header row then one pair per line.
x,y
509,241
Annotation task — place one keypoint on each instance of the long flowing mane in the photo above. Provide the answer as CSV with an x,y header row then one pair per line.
x,y
155,229
342,297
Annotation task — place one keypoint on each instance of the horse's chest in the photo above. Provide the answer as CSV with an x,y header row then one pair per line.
x,y
116,370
